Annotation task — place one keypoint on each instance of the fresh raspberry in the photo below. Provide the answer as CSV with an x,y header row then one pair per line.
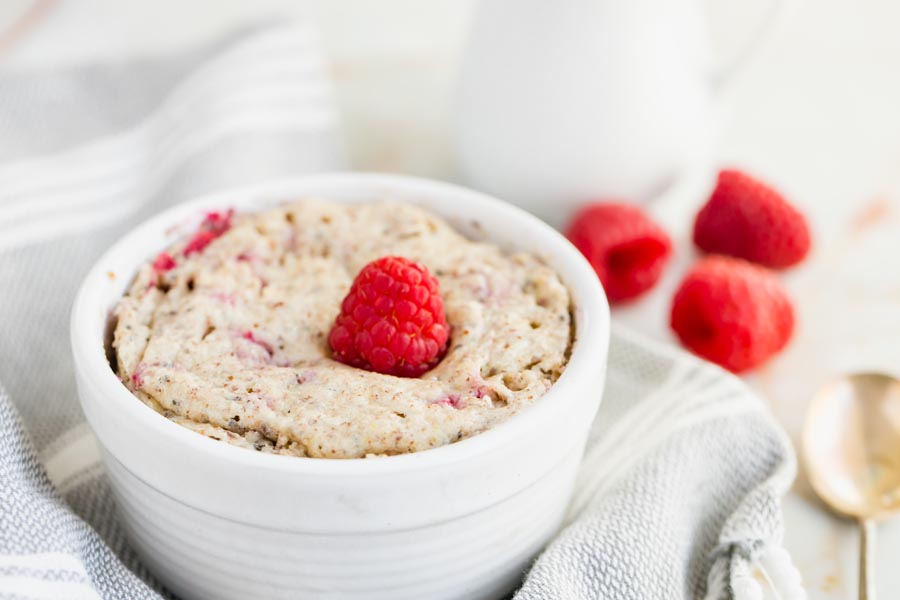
x,y
748,219
732,312
392,320
214,225
626,248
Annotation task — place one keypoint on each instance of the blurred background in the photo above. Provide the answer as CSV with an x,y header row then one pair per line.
x,y
814,111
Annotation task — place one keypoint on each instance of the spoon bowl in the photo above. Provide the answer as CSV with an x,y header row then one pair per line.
x,y
851,445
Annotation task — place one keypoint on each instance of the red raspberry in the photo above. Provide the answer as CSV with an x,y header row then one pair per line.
x,y
748,219
732,312
164,262
392,320
214,225
626,248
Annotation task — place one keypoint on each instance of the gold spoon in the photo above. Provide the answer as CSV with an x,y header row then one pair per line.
x,y
851,445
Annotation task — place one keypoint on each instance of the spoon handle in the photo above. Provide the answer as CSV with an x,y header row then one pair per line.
x,y
866,559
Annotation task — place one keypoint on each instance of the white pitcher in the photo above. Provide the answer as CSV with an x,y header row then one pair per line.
x,y
561,101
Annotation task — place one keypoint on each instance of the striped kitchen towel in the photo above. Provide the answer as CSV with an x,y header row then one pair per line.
x,y
679,495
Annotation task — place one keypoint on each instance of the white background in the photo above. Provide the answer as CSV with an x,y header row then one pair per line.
x,y
817,112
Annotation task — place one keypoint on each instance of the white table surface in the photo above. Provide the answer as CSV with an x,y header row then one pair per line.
x,y
817,112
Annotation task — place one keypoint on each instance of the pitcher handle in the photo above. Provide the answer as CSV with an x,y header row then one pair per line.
x,y
724,73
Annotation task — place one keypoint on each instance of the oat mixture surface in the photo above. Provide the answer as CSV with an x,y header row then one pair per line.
x,y
231,340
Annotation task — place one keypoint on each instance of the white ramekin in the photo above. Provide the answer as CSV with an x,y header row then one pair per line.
x,y
461,521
